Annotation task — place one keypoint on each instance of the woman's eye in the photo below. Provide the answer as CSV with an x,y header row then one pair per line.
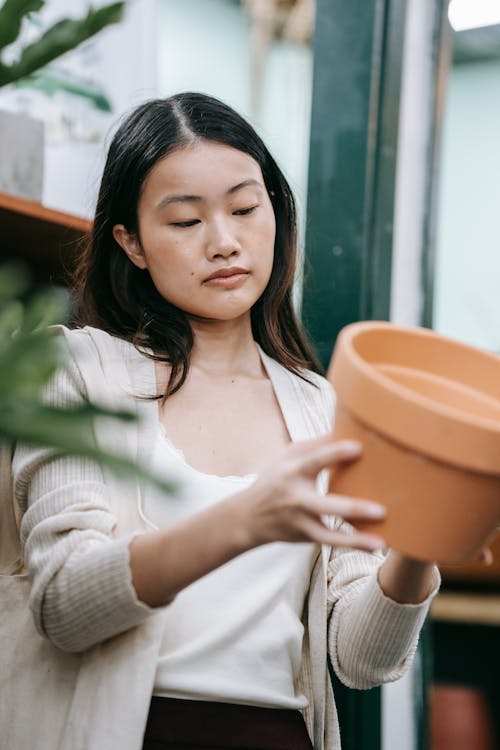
x,y
189,223
244,211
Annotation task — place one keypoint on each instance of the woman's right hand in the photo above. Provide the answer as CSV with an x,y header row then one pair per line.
x,y
284,503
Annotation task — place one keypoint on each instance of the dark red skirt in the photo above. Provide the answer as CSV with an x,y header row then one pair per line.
x,y
175,724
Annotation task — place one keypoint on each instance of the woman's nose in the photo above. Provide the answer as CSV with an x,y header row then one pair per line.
x,y
222,241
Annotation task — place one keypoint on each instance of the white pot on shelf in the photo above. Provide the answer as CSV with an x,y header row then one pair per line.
x,y
21,155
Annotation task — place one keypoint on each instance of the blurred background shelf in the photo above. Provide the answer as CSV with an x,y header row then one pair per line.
x,y
45,240
467,607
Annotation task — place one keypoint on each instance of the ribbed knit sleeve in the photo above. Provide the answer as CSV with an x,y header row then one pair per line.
x,y
372,639
82,591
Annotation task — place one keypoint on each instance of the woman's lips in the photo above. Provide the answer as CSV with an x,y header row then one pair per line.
x,y
227,278
227,282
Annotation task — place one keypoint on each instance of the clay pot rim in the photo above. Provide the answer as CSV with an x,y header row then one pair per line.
x,y
397,389
425,420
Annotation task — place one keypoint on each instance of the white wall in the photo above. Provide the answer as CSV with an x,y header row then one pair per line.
x,y
203,45
467,283
126,68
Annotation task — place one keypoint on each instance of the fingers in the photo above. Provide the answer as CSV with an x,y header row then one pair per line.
x,y
323,453
314,507
286,506
486,556
348,508
356,509
317,532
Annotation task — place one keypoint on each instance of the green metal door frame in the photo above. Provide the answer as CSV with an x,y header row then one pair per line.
x,y
358,49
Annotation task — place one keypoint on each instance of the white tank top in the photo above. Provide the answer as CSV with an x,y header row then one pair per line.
x,y
235,635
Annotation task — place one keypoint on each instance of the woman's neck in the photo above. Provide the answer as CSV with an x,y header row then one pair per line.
x,y
225,347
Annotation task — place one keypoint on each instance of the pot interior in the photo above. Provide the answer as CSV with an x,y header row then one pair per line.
x,y
443,390
446,371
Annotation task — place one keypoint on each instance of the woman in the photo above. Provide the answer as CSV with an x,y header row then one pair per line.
x,y
222,603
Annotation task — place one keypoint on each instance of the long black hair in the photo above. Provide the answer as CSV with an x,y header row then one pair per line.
x,y
116,296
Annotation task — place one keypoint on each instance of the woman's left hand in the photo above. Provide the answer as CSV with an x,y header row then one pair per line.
x,y
406,580
485,557
410,581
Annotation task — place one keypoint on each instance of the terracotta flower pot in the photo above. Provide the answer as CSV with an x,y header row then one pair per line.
x,y
460,719
427,411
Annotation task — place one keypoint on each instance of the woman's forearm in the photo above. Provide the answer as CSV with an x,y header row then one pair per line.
x,y
166,561
405,580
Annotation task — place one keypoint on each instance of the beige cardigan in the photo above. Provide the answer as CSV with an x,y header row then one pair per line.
x,y
76,530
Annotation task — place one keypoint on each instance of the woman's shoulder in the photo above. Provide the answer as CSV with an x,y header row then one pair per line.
x,y
99,357
316,398
86,333
319,391
318,382
309,388
88,342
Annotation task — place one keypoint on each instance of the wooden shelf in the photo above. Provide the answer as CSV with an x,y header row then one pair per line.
x,y
46,240
467,608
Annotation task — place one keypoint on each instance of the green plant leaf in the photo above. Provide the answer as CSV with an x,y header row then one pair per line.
x,y
46,308
14,280
49,83
27,364
70,433
58,39
11,319
12,13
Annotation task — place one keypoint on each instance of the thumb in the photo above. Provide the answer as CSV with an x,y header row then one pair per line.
x,y
322,454
486,556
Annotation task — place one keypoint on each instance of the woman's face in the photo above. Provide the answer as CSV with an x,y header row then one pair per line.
x,y
207,230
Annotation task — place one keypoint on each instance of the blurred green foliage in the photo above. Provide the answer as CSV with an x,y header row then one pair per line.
x,y
62,37
30,353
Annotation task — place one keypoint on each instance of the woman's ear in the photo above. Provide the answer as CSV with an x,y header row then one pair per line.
x,y
130,244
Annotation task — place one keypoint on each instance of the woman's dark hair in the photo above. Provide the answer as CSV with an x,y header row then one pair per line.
x,y
116,296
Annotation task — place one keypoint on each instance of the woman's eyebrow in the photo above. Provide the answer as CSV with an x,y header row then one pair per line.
x,y
245,183
185,198
168,199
